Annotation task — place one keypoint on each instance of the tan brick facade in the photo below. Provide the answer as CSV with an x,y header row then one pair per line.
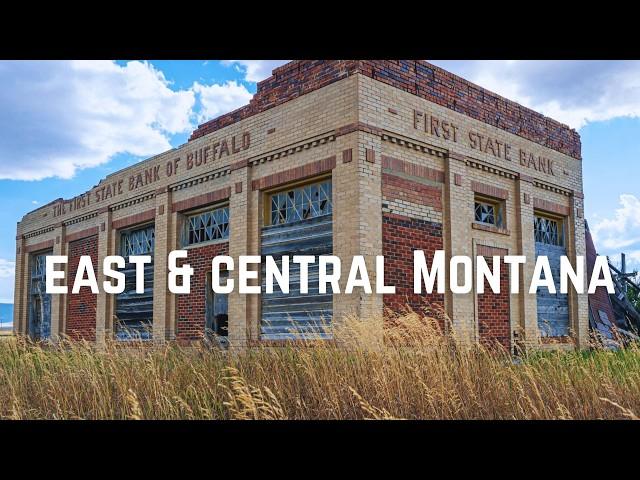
x,y
399,154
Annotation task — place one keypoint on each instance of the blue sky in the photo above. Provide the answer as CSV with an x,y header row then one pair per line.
x,y
66,125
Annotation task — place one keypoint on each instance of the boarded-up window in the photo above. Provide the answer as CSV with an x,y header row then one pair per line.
x,y
300,222
553,308
216,308
134,311
39,301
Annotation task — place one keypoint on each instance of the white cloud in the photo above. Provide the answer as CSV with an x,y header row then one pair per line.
x,y
7,268
217,99
573,92
255,70
60,116
621,232
7,277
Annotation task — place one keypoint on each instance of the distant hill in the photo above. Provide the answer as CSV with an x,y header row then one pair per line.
x,y
6,315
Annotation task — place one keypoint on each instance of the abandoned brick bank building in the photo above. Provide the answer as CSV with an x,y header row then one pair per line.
x,y
329,157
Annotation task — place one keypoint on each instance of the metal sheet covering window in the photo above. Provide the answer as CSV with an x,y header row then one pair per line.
x,y
134,312
39,301
299,222
553,308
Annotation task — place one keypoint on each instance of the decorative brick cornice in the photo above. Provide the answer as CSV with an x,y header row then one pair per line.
x,y
294,174
80,219
411,169
89,232
39,232
477,164
131,220
490,190
293,149
206,177
547,206
413,144
133,201
201,200
552,188
416,77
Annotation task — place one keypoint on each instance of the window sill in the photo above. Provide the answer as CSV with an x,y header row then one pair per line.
x,y
204,244
490,228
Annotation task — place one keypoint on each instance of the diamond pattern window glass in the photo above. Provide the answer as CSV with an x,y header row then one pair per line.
x,y
488,212
548,230
138,242
208,226
301,203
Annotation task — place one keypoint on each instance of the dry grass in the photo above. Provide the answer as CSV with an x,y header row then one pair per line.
x,y
415,374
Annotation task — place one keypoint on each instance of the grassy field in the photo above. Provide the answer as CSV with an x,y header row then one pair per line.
x,y
415,374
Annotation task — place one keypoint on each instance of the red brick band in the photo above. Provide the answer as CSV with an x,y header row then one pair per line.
x,y
72,237
411,169
547,206
399,188
370,155
487,251
357,127
201,200
134,219
294,174
38,246
490,190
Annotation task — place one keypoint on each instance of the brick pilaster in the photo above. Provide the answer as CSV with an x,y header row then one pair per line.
x,y
21,288
104,301
243,224
458,216
578,303
59,301
527,333
164,237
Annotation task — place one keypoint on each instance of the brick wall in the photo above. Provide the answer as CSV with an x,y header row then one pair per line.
x,y
416,77
191,308
81,307
411,199
494,319
400,237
